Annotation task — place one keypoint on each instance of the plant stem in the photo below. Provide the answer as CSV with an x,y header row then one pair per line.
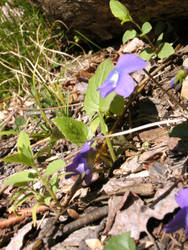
x,y
48,189
145,36
109,144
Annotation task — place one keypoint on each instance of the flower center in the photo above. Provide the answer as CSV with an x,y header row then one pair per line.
x,y
114,78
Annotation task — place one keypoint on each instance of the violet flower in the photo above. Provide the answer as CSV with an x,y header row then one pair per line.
x,y
181,218
119,79
82,163
173,81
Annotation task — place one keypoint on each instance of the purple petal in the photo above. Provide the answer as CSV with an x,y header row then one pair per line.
x,y
106,88
86,147
125,85
88,176
173,81
109,84
80,168
179,221
131,63
182,197
70,168
83,152
82,163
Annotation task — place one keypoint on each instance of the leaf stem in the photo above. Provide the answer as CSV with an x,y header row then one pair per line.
x,y
48,189
109,144
145,36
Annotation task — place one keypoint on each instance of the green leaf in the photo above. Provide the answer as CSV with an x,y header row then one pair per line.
x,y
54,183
146,28
9,132
117,105
104,128
180,130
23,176
19,158
54,167
94,124
24,146
19,121
17,194
93,102
75,131
147,54
159,40
166,51
120,242
180,76
24,155
128,35
47,200
23,199
120,11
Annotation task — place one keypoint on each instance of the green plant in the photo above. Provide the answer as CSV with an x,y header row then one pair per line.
x,y
29,51
26,180
162,50
120,242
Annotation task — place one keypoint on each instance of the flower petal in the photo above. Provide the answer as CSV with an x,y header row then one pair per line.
x,y
173,81
178,221
83,152
130,63
82,163
106,88
182,197
109,84
70,168
80,168
125,85
86,147
88,175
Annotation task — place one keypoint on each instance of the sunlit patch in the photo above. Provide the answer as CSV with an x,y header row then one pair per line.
x,y
114,78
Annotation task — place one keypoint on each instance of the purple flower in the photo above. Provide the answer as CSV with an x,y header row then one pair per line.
x,y
119,79
173,81
181,218
82,163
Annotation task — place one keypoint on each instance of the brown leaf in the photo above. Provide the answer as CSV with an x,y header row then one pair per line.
x,y
120,186
136,216
115,204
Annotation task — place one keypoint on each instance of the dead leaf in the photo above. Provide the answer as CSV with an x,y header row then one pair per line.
x,y
17,241
115,203
132,46
75,239
135,217
120,186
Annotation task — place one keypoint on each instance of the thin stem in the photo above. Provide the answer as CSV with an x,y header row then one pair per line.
x,y
145,36
109,144
48,189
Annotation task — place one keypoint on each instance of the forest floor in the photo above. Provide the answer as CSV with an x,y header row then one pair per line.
x,y
135,194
